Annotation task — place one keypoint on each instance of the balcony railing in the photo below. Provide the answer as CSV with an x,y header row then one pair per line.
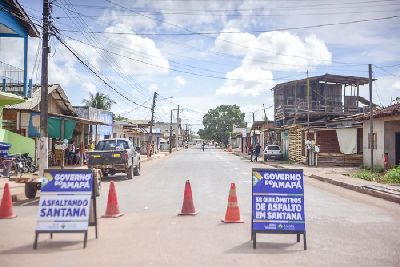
x,y
11,79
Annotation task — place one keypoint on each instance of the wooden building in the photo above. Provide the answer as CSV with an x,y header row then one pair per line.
x,y
329,96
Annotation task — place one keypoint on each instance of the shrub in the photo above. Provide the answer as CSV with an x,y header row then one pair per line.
x,y
367,175
393,175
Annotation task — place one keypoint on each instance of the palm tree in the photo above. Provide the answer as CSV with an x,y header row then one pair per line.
x,y
98,100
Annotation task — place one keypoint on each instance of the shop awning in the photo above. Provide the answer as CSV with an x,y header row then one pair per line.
x,y
10,99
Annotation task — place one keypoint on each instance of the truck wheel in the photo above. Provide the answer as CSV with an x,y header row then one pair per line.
x,y
136,171
129,172
30,190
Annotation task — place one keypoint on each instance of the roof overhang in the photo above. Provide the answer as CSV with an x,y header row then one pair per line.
x,y
10,99
328,78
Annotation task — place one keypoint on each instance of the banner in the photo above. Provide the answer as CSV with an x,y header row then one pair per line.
x,y
278,200
65,200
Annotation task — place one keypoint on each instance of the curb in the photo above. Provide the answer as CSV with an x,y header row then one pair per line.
x,y
356,188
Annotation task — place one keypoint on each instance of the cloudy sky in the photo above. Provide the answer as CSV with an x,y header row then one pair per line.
x,y
206,53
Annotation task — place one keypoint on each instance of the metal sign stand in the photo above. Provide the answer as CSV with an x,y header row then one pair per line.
x,y
298,233
93,208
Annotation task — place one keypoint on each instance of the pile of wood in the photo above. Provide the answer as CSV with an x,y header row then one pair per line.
x,y
295,143
331,159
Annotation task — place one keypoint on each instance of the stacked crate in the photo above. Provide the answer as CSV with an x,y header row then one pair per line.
x,y
295,143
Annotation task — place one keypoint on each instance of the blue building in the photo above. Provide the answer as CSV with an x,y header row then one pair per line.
x,y
15,23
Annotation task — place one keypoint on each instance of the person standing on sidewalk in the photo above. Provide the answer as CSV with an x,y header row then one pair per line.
x,y
250,151
257,151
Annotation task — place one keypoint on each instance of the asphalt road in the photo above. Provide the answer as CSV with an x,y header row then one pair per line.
x,y
344,228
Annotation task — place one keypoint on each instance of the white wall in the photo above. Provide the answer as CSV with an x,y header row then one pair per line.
x,y
379,129
391,127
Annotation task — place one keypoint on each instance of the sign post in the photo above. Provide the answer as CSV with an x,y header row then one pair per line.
x,y
67,203
278,203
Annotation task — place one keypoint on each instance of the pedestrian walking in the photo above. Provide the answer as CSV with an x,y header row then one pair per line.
x,y
250,151
204,144
257,151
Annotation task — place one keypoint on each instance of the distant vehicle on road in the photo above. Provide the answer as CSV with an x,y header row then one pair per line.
x,y
115,155
272,152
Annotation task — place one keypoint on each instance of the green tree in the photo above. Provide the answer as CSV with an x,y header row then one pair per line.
x,y
219,122
120,118
98,100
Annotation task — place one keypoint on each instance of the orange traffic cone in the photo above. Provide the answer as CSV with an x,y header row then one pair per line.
x,y
232,212
112,210
6,211
187,206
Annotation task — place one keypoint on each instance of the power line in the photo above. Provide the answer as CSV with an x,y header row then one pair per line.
x,y
94,72
181,71
291,7
238,32
80,23
210,36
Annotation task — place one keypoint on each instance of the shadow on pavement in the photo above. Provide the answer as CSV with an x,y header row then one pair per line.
x,y
27,202
47,246
115,178
266,248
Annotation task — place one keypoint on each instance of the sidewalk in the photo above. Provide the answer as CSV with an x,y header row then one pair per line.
x,y
144,158
18,189
339,176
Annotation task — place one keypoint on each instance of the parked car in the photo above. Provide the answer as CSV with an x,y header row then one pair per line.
x,y
272,152
115,155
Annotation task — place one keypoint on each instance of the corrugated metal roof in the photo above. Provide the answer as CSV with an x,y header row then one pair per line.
x,y
393,110
33,103
16,10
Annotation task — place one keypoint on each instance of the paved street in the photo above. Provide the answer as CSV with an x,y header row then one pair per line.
x,y
344,228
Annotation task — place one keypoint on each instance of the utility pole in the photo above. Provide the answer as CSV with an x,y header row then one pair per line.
x,y
170,134
371,126
308,103
265,114
151,125
178,126
43,141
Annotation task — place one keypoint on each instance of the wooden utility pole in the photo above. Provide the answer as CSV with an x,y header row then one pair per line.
x,y
265,114
151,125
308,104
371,125
43,141
170,134
178,124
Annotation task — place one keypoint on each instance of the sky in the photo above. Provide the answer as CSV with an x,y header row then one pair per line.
x,y
205,53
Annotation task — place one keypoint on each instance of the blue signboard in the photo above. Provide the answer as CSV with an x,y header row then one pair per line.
x,y
67,181
65,200
278,200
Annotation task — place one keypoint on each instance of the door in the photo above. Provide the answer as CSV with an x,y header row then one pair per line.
x,y
397,148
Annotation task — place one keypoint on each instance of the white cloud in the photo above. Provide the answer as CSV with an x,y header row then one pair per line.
x,y
153,87
180,80
272,51
396,85
253,81
89,87
131,54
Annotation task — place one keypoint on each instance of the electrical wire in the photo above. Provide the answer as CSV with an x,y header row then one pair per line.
x,y
238,32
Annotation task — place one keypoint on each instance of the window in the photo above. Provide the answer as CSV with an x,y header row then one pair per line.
x,y
123,143
372,141
106,145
